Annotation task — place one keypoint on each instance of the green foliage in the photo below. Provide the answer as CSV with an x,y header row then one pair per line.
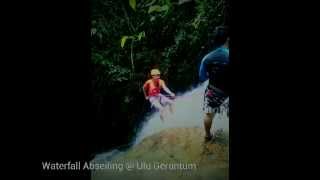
x,y
136,37
140,35
111,72
157,8
132,4
123,40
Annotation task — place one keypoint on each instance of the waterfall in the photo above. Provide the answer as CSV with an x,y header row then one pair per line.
x,y
188,112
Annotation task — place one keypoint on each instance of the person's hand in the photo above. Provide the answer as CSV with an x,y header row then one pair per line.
x,y
147,97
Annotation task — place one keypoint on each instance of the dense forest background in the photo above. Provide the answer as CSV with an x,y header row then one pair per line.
x,y
128,38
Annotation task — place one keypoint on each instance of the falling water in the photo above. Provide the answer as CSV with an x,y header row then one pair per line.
x,y
188,112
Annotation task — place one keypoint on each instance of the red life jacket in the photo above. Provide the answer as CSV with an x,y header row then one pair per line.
x,y
153,87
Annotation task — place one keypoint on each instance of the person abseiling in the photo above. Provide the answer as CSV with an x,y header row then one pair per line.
x,y
151,90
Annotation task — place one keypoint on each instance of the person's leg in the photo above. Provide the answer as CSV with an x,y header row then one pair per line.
x,y
208,118
171,108
157,104
213,100
166,101
209,106
162,115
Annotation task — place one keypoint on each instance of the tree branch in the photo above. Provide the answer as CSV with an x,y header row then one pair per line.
x,y
128,20
131,56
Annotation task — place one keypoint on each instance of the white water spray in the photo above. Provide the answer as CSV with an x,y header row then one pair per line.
x,y
188,112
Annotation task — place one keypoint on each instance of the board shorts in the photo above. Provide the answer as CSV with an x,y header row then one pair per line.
x,y
213,99
159,99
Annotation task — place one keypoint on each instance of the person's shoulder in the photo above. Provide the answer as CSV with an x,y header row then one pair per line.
x,y
148,81
219,54
161,81
212,54
220,50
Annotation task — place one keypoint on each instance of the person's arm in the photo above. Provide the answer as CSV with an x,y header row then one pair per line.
x,y
166,89
214,56
144,88
203,76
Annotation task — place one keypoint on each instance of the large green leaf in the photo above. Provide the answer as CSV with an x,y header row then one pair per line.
x,y
123,40
157,8
133,4
141,35
165,8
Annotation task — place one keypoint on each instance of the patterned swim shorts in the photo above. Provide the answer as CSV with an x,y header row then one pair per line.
x,y
213,98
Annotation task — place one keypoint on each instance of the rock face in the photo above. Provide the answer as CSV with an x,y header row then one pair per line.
x,y
176,153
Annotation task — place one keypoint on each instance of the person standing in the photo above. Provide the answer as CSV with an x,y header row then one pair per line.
x,y
214,67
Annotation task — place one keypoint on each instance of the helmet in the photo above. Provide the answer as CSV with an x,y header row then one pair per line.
x,y
155,72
